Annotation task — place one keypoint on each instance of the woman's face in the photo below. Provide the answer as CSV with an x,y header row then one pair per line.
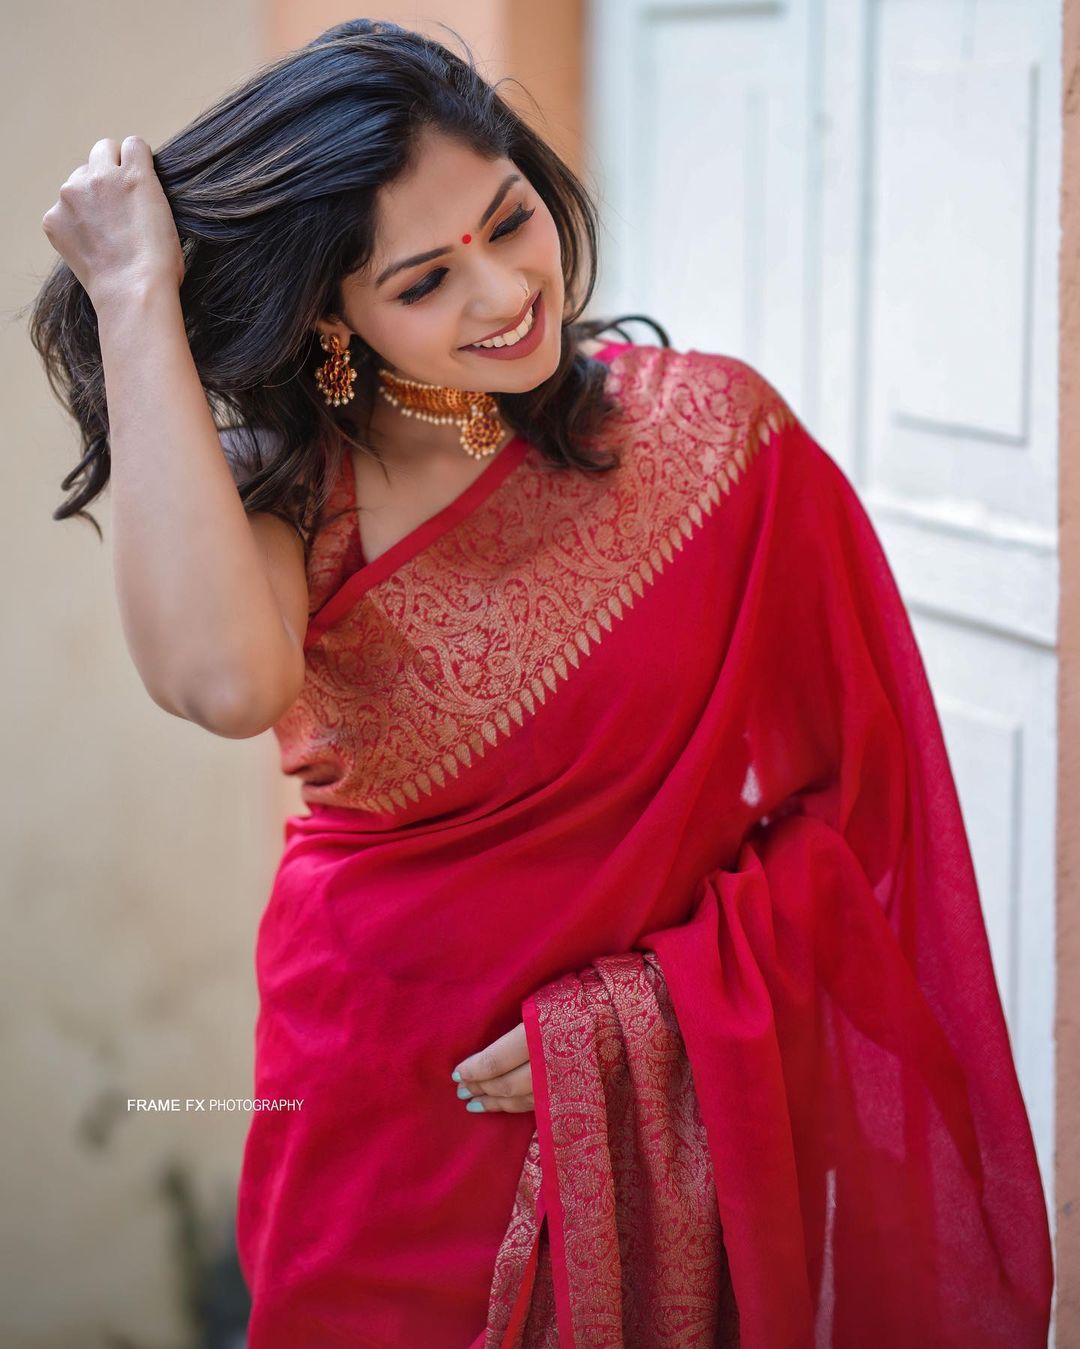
x,y
501,249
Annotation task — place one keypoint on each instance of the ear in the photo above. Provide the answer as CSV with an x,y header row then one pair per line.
x,y
324,327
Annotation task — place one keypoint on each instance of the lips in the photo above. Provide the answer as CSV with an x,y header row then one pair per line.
x,y
522,347
509,327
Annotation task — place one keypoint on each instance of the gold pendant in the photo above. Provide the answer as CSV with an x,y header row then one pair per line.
x,y
482,432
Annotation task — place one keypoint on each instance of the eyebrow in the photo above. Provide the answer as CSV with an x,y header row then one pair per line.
x,y
493,206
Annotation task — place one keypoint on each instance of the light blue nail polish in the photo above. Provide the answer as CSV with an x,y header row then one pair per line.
x,y
455,1076
475,1106
464,1094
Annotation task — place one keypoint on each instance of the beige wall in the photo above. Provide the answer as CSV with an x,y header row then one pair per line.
x,y
137,849
539,45
1067,1168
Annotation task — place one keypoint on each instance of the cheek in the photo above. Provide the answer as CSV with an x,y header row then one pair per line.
x,y
550,239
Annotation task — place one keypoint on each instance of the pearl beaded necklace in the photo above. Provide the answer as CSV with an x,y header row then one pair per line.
x,y
477,414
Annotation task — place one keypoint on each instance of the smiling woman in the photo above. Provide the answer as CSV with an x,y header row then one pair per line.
x,y
289,253
427,322
629,811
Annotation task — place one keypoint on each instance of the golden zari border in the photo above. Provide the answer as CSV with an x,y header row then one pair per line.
x,y
447,655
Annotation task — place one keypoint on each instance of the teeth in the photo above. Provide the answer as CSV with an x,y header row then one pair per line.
x,y
514,335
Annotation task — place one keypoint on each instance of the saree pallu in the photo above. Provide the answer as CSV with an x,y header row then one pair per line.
x,y
640,1256
676,709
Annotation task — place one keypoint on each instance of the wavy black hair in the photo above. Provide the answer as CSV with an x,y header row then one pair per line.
x,y
273,190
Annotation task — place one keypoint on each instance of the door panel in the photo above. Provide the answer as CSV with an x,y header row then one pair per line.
x,y
860,197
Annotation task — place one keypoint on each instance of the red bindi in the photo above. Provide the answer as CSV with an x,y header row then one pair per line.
x,y
466,238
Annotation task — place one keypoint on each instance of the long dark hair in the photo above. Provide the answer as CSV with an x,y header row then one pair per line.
x,y
273,191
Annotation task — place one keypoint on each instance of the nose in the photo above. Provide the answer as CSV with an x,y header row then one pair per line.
x,y
508,315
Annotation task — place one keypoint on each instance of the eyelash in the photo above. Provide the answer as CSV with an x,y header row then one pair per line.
x,y
515,221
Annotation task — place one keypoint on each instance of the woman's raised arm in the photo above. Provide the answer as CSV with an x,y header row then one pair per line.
x,y
213,607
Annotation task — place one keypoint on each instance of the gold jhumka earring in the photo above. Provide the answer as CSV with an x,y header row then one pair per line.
x,y
335,377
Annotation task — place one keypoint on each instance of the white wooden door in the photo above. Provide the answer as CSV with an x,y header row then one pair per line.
x,y
860,197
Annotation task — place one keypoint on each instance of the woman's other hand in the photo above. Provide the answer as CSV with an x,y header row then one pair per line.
x,y
500,1076
112,223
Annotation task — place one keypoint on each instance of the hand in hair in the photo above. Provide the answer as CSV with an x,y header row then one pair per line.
x,y
112,223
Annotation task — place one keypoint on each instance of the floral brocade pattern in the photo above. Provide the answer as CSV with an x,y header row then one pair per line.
x,y
522,1313
454,649
645,1264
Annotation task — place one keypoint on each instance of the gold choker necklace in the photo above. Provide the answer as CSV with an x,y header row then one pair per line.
x,y
477,414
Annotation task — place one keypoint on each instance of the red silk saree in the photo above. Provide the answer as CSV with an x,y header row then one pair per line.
x,y
648,760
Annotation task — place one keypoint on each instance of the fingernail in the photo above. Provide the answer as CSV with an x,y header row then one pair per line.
x,y
475,1106
464,1094
455,1076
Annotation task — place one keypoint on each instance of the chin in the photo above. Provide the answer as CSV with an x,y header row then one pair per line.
x,y
538,373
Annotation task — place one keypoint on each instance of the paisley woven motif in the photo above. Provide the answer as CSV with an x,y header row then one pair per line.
x,y
449,653
645,1264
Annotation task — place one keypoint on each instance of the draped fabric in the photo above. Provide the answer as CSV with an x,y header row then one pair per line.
x,y
641,1254
582,729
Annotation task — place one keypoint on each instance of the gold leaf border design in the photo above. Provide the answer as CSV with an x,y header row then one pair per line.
x,y
445,658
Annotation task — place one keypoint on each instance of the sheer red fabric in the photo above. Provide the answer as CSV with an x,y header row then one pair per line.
x,y
675,709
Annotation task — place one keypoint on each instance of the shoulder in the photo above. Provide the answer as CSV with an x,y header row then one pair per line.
x,y
717,384
711,404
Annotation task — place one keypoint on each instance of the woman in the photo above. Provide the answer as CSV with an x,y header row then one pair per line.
x,y
631,826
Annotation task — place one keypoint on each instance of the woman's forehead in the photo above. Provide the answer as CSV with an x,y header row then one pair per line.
x,y
443,174
437,205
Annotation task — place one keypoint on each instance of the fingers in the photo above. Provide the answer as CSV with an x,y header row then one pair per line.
x,y
105,153
517,1082
135,153
113,223
500,1076
508,1052
494,1105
